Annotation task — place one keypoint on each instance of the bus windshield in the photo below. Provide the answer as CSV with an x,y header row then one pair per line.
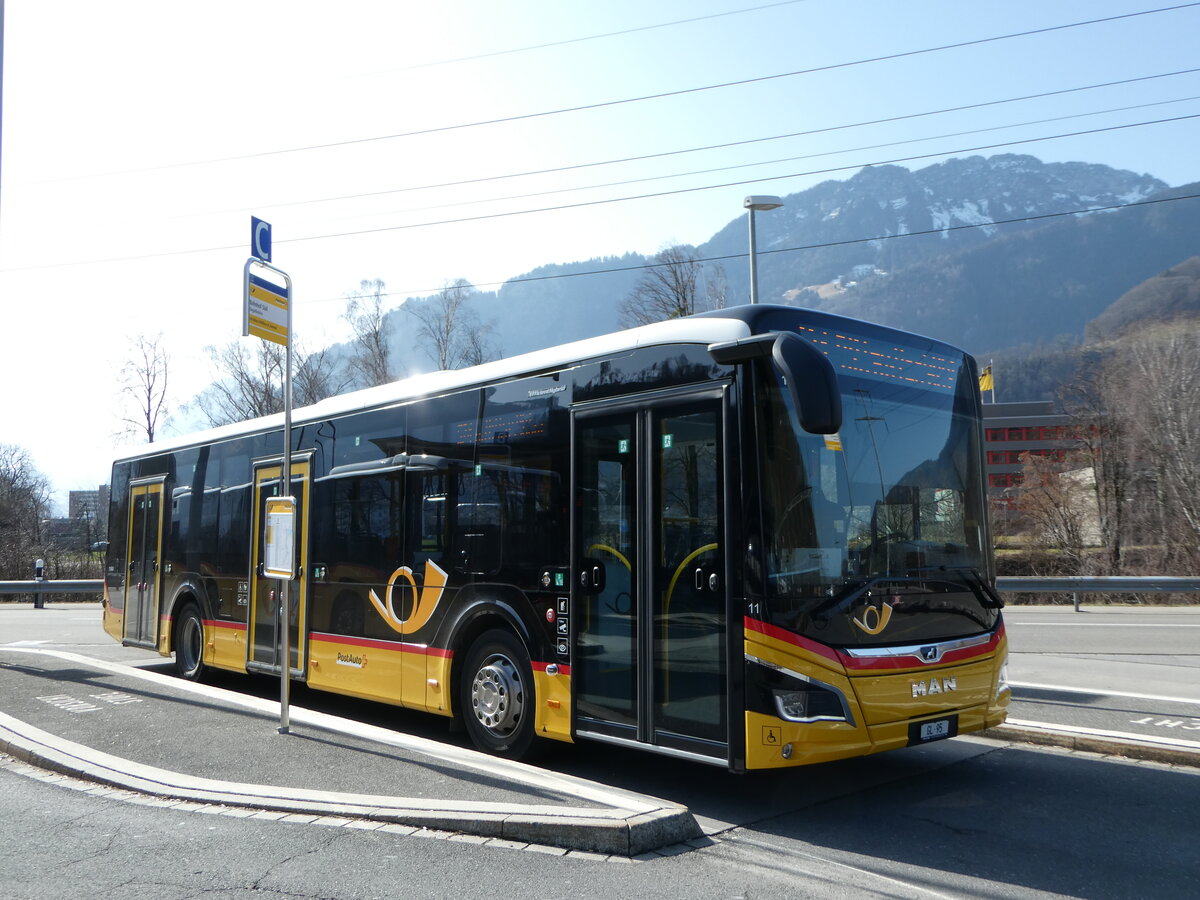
x,y
892,505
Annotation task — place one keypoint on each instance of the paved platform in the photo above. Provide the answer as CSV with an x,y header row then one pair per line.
x,y
149,732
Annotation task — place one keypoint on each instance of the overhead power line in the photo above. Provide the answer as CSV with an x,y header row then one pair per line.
x,y
556,170
766,162
798,249
590,37
975,42
604,201
729,184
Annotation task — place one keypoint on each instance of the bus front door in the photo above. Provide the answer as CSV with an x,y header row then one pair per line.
x,y
649,656
263,644
143,576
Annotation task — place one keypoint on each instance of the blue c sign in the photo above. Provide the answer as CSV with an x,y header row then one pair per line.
x,y
260,239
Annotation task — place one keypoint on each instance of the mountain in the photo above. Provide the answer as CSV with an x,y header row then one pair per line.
x,y
1035,284
1172,294
885,219
890,245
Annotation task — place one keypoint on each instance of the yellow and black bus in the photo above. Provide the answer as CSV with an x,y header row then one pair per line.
x,y
755,538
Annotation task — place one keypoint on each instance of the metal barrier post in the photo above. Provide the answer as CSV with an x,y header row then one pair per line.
x,y
39,569
1075,599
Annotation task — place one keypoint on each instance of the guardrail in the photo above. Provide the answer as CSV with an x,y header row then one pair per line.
x,y
40,588
1099,584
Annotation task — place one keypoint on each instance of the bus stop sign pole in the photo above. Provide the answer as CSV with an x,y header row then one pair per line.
x,y
267,313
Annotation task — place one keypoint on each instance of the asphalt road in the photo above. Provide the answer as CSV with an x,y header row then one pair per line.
x,y
1130,673
962,818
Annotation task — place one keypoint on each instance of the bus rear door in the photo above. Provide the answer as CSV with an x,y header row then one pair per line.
x,y
262,646
143,576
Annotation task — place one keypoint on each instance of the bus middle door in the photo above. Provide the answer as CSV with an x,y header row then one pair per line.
x,y
649,661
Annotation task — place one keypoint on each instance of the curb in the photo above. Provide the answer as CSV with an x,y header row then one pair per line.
x,y
1090,742
622,823
611,832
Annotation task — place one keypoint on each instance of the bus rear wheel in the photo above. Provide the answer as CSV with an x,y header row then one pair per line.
x,y
496,695
189,643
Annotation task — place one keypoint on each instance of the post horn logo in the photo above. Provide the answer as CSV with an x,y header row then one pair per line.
x,y
875,618
425,601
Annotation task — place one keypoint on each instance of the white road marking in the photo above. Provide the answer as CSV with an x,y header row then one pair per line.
x,y
1099,693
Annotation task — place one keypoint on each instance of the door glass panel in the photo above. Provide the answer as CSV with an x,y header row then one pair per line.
x,y
264,615
605,661
689,589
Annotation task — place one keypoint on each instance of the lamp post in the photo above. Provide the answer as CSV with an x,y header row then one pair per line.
x,y
754,204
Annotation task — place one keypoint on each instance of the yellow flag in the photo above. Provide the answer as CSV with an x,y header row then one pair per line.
x,y
986,383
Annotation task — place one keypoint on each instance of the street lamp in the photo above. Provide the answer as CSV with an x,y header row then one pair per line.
x,y
754,204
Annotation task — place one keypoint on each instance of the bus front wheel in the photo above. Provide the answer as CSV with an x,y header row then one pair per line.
x,y
189,643
496,695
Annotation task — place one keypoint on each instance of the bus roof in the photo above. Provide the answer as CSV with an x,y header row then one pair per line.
x,y
693,329
710,327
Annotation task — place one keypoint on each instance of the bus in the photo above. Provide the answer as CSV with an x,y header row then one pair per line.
x,y
754,537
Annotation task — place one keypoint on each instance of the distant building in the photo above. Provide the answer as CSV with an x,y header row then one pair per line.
x,y
1011,429
93,504
86,521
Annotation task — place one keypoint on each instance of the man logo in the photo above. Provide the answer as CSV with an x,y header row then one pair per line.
x,y
934,686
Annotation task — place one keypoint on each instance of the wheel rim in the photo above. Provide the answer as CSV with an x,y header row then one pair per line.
x,y
191,642
497,695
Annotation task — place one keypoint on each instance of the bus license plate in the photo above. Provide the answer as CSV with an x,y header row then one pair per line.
x,y
933,730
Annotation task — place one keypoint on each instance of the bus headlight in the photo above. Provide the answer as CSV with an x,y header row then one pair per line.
x,y
793,697
814,703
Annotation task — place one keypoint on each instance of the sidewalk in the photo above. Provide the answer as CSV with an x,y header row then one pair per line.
x,y
155,734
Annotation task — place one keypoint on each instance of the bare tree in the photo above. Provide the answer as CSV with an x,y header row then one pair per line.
x,y
24,505
1052,501
249,382
249,378
316,376
1160,400
143,383
675,285
364,311
1093,400
453,334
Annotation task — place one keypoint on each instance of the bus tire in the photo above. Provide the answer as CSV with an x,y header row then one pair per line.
x,y
496,695
188,639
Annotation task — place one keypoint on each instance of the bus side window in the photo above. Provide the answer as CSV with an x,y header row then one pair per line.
x,y
426,512
477,531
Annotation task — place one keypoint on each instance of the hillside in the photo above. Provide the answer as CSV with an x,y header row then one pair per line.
x,y
1174,293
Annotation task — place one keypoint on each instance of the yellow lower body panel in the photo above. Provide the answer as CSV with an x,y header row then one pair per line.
x,y
409,675
553,697
883,706
225,645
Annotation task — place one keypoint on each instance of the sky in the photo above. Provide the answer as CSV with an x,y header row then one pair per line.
x,y
419,143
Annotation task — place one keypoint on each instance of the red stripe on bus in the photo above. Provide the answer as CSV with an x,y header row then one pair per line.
x,y
423,649
914,661
874,663
220,623
789,637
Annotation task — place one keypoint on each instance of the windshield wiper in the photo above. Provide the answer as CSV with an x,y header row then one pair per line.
x,y
985,592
